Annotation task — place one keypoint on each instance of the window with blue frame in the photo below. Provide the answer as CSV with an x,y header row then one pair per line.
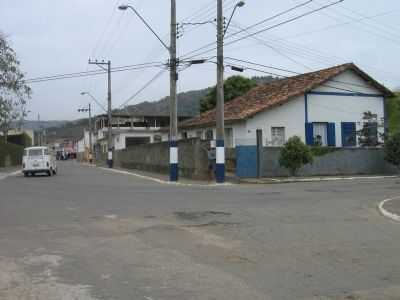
x,y
349,134
321,134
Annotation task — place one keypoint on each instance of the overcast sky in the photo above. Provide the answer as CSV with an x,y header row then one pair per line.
x,y
59,36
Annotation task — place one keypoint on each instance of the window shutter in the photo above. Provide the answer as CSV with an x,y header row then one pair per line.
x,y
309,134
349,138
331,135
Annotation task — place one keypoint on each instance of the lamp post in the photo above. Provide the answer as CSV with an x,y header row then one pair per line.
x,y
238,5
173,63
95,100
89,110
220,118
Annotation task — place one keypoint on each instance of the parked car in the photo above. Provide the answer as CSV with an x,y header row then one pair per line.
x,y
38,160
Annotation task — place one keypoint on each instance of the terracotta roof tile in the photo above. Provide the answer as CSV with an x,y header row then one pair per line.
x,y
276,93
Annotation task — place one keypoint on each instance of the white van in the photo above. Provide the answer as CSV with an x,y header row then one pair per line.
x,y
38,160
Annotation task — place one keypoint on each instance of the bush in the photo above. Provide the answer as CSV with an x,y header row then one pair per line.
x,y
20,139
10,154
321,151
392,150
295,154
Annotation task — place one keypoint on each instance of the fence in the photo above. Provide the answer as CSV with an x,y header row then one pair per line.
x,y
340,161
193,160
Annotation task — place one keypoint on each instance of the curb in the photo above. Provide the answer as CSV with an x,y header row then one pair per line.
x,y
386,213
165,182
10,174
318,179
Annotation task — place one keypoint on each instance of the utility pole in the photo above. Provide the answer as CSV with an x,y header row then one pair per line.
x,y
109,110
90,130
220,142
39,132
173,154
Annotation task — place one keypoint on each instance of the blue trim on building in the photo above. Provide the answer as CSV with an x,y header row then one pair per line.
x,y
173,172
346,94
306,107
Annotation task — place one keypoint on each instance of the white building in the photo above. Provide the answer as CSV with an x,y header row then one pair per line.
x,y
325,106
83,144
130,130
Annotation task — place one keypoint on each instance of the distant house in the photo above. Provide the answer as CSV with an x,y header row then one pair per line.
x,y
325,106
128,130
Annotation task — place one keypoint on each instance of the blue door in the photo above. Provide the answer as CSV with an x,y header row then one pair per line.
x,y
246,161
349,134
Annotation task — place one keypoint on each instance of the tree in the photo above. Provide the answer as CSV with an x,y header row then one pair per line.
x,y
234,86
13,90
392,150
368,134
295,154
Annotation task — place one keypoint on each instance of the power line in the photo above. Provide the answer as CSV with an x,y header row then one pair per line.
x,y
275,26
254,25
152,80
294,72
264,43
91,73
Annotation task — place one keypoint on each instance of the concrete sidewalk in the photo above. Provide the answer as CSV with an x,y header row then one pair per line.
x,y
162,178
9,171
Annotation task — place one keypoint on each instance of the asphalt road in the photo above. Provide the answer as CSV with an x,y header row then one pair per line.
x,y
90,234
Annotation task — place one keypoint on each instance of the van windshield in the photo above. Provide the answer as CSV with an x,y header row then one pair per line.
x,y
35,152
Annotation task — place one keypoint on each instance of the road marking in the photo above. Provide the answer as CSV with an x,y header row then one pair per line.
x,y
386,213
10,174
163,181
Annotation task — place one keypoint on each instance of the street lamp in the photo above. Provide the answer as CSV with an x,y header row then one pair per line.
x,y
173,64
220,110
94,99
125,7
89,110
238,5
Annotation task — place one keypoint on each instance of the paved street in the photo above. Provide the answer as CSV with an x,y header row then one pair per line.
x,y
90,234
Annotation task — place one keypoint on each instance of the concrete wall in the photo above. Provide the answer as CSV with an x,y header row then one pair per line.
x,y
352,161
193,161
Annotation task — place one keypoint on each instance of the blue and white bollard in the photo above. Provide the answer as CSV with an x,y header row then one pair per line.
x,y
220,161
173,161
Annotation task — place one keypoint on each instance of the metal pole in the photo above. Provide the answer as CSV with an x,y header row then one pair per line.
x,y
173,154
220,142
110,139
90,131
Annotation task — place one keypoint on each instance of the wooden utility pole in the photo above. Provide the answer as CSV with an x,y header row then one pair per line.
x,y
220,142
174,169
109,110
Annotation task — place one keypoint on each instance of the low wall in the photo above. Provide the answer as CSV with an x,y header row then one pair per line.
x,y
343,161
193,161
